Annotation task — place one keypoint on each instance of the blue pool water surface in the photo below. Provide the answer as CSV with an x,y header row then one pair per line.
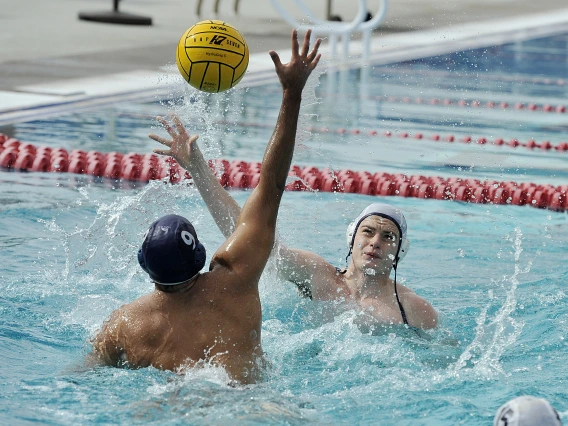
x,y
495,273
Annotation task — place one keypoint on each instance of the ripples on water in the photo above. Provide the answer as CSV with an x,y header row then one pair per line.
x,y
68,251
491,272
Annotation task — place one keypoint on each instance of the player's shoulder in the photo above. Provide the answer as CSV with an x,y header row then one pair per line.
x,y
405,291
409,296
330,283
232,278
420,310
136,310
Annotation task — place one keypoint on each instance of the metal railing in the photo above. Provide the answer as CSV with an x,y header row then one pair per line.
x,y
337,30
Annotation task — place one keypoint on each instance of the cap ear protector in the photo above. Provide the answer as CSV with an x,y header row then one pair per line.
x,y
352,230
141,260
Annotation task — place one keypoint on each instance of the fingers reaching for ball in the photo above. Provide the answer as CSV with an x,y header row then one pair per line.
x,y
293,75
180,146
160,139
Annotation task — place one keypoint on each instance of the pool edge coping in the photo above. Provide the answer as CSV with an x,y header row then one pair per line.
x,y
37,101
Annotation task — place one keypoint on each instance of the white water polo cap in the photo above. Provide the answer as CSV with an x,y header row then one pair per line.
x,y
388,212
527,411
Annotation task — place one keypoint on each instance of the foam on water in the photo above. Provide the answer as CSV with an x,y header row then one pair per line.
x,y
69,258
493,336
324,364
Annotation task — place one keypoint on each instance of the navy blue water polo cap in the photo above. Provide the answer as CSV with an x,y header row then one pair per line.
x,y
171,253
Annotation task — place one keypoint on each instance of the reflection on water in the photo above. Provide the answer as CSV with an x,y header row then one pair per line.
x,y
68,258
323,364
87,237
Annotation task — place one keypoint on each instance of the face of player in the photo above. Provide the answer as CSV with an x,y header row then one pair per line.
x,y
375,245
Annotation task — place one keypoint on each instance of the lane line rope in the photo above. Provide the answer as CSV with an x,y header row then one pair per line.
x,y
241,174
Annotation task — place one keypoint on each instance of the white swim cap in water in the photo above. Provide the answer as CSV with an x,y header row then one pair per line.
x,y
527,411
388,212
395,215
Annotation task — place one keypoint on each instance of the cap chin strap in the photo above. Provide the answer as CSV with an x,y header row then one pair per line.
x,y
346,262
402,312
394,265
181,282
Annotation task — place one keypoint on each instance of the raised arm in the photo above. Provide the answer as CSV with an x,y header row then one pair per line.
x,y
312,274
247,249
223,208
294,265
255,227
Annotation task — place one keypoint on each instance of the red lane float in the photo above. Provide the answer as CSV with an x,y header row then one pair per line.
x,y
519,106
513,78
512,143
241,174
480,140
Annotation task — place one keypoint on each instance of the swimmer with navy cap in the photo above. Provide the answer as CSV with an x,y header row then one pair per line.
x,y
171,253
377,241
195,317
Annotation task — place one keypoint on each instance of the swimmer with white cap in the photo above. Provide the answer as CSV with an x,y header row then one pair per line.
x,y
214,317
377,241
527,411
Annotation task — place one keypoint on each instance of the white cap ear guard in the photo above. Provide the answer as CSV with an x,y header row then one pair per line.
x,y
404,246
387,211
350,232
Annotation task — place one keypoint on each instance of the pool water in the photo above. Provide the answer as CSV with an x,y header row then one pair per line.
x,y
495,273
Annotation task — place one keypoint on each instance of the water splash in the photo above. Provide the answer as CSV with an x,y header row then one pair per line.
x,y
105,248
493,336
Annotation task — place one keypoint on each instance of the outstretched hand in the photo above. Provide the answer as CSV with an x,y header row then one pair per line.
x,y
182,147
294,74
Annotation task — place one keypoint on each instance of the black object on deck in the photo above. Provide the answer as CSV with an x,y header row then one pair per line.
x,y
115,17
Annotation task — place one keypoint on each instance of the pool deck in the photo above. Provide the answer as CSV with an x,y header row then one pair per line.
x,y
51,62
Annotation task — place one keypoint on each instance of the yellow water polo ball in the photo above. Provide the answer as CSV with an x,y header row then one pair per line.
x,y
212,56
